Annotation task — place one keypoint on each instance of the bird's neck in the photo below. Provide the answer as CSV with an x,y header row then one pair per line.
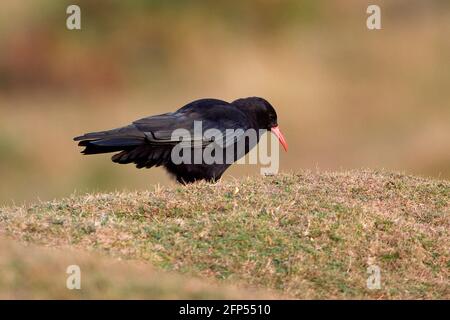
x,y
249,111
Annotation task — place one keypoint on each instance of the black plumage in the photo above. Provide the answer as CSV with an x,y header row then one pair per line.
x,y
148,142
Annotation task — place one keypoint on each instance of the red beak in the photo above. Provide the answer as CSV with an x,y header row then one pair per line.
x,y
276,131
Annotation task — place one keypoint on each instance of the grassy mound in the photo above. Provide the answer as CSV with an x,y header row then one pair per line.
x,y
303,235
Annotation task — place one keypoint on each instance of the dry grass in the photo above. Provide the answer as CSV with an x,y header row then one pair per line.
x,y
304,235
40,273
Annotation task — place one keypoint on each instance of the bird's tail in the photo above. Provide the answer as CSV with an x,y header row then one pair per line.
x,y
121,139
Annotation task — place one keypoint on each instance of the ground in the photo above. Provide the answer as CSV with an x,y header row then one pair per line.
x,y
293,235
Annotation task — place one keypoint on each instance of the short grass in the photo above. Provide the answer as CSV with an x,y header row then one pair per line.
x,y
31,272
297,235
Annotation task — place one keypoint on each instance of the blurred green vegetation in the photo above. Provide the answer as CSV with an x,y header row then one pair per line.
x,y
123,39
346,97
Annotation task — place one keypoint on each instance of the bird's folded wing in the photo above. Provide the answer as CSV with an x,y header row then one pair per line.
x,y
174,128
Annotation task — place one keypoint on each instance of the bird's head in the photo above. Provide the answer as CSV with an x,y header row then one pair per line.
x,y
263,115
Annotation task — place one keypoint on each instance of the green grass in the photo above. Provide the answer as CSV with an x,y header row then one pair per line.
x,y
300,235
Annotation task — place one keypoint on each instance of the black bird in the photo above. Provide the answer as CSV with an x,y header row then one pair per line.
x,y
149,141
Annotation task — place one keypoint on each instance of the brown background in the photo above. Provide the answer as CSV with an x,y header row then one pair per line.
x,y
346,97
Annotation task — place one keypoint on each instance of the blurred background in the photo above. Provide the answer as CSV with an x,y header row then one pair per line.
x,y
346,97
